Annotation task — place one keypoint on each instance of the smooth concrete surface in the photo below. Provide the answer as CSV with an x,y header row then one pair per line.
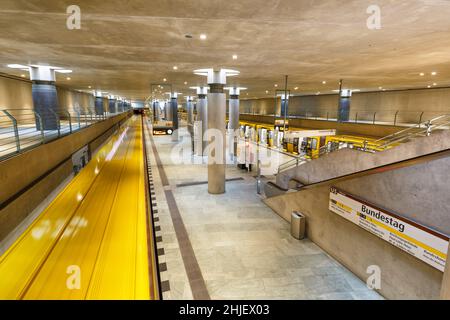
x,y
244,250
216,142
346,161
41,159
419,193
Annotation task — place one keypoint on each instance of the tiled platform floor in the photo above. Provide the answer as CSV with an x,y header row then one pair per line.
x,y
244,250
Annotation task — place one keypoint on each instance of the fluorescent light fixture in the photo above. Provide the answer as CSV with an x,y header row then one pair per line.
x,y
235,56
203,36
63,70
421,74
17,66
434,73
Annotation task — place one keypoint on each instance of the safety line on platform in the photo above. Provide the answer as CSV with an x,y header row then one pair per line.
x,y
193,271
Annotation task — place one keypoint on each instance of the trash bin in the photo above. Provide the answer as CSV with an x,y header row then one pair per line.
x,y
298,225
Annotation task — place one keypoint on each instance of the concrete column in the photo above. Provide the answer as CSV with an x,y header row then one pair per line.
x,y
156,111
98,103
216,128
174,111
445,288
45,97
344,106
233,120
112,105
202,113
190,114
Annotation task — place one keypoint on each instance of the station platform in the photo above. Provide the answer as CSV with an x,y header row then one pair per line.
x,y
232,246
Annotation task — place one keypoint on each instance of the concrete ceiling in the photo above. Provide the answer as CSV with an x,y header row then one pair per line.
x,y
125,46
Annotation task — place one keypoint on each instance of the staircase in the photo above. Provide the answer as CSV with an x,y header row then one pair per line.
x,y
424,138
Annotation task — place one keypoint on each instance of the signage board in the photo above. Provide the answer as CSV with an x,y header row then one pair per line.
x,y
423,243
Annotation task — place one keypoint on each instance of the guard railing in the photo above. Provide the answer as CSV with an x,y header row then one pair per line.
x,y
22,129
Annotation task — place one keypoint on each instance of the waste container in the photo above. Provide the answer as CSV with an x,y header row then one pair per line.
x,y
298,225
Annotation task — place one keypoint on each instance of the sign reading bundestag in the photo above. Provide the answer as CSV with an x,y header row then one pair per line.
x,y
425,244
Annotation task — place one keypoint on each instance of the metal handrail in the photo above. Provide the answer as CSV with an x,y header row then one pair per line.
x,y
411,129
417,130
22,129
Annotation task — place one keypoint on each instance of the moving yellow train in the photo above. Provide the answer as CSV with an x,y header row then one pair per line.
x,y
309,143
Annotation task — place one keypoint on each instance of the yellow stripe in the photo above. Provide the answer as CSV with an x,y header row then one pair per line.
x,y
98,223
412,240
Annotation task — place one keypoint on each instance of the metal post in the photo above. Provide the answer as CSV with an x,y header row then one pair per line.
x,y
374,115
327,116
40,126
356,118
420,120
16,129
70,121
395,118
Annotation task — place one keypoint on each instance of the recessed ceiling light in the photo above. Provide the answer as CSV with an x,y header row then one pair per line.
x,y
68,78
296,88
434,73
23,76
422,74
435,84
203,36
175,68
267,91
324,82
234,56
185,83
317,93
164,79
89,87
380,88
275,85
429,86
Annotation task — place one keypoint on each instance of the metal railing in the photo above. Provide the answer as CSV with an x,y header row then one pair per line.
x,y
421,129
22,129
384,117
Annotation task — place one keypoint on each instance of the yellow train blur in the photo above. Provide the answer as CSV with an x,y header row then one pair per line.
x,y
91,241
